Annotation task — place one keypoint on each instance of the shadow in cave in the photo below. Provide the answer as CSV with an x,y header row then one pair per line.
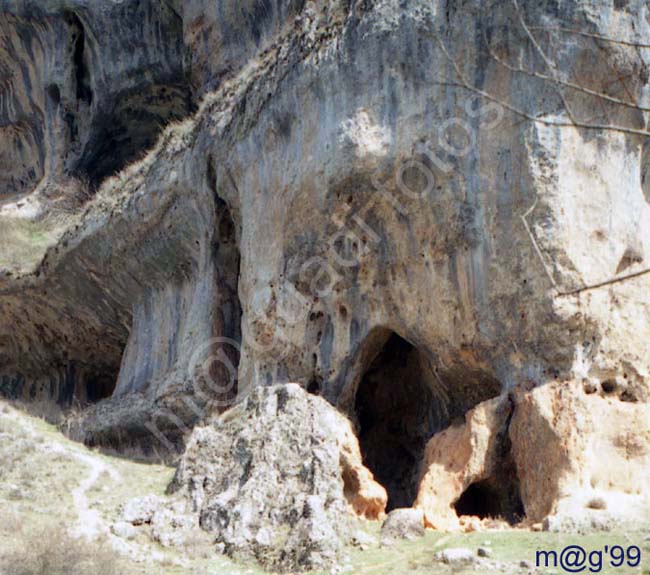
x,y
498,496
393,407
401,401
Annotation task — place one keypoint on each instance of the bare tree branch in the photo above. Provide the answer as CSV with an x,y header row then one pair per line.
x,y
605,283
571,85
465,84
630,43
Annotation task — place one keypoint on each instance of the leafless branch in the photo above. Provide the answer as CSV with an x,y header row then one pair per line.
x,y
465,84
630,43
606,283
571,85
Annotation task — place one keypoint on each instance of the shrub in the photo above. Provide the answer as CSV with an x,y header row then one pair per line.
x,y
53,552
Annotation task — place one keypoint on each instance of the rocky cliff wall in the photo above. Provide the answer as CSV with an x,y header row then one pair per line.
x,y
448,196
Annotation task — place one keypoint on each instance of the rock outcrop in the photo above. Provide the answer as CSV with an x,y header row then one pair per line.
x,y
564,454
468,471
408,208
582,456
278,479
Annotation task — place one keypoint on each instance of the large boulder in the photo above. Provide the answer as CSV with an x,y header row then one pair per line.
x,y
271,479
582,457
470,452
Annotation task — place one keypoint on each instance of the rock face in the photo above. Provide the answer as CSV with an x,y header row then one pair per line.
x,y
278,479
86,87
563,453
468,470
408,208
597,448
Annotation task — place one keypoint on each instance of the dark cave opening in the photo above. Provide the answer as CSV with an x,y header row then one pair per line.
x,y
392,406
100,386
492,498
81,71
400,397
124,132
497,496
480,499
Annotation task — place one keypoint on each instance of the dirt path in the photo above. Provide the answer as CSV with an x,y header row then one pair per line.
x,y
90,523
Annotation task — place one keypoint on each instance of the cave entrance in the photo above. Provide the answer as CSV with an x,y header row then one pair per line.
x,y
393,410
101,386
480,499
497,496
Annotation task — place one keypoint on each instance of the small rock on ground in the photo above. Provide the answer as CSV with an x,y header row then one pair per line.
x,y
455,556
402,524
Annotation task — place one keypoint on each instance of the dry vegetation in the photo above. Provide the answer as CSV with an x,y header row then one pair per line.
x,y
52,551
41,469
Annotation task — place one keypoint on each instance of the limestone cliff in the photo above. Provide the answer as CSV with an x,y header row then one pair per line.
x,y
409,208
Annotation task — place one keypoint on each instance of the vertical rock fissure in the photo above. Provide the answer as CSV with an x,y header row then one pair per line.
x,y
228,309
497,496
80,67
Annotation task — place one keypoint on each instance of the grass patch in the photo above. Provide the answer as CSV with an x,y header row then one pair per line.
x,y
24,242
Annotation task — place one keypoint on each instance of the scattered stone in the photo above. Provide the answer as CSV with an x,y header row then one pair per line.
x,y
173,527
363,540
597,503
124,530
525,565
402,524
456,556
484,552
141,509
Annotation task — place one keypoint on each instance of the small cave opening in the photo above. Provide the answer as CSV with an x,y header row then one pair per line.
x,y
492,498
480,499
497,496
393,407
101,385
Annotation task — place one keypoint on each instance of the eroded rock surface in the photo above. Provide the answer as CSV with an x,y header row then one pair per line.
x,y
279,479
467,470
408,208
582,457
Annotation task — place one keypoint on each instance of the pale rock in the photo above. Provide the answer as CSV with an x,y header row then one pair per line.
x,y
124,530
456,556
402,524
270,479
141,510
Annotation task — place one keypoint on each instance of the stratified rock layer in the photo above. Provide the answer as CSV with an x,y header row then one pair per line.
x,y
408,208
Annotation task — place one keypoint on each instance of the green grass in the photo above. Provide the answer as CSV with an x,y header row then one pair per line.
x,y
24,242
509,548
39,473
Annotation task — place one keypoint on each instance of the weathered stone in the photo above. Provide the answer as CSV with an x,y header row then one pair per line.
x,y
464,456
124,529
269,479
141,509
174,525
581,457
456,555
402,524
483,552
